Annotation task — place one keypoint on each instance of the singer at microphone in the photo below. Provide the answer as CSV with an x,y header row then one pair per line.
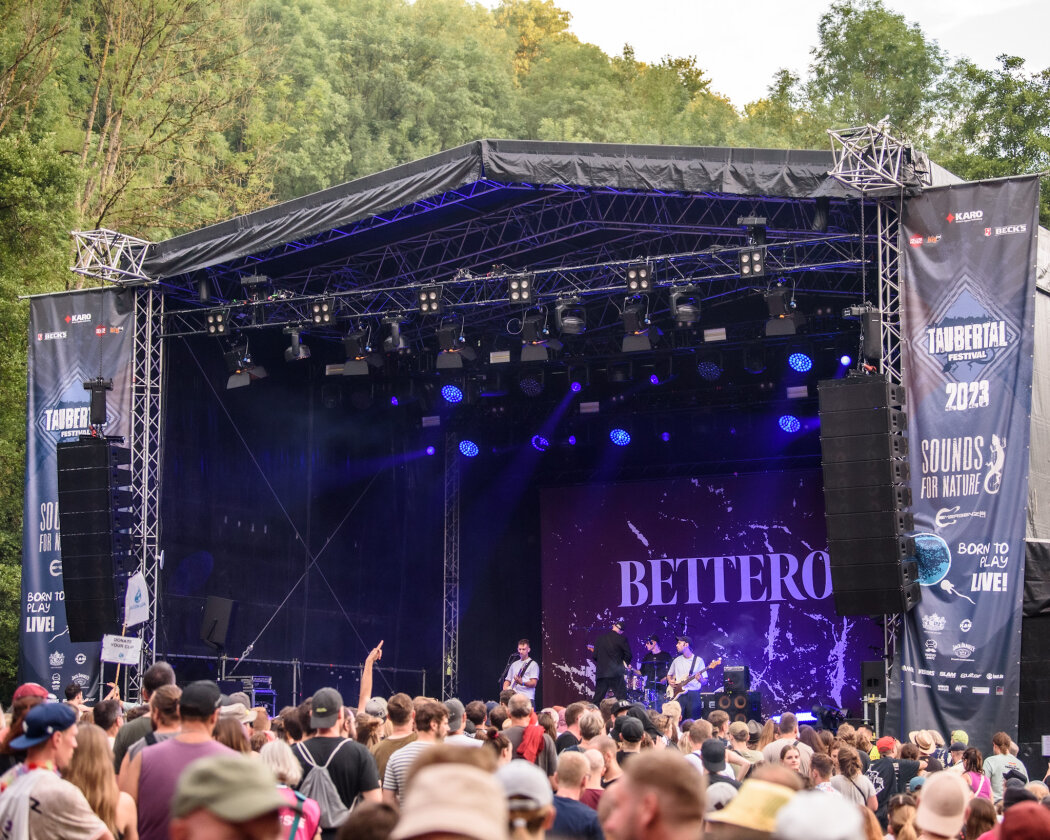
x,y
524,673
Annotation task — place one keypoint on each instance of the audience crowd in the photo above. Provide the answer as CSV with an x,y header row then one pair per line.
x,y
191,763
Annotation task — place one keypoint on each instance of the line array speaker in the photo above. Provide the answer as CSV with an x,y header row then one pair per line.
x,y
866,495
94,526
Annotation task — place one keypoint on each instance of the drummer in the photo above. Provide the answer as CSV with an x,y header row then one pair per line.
x,y
655,663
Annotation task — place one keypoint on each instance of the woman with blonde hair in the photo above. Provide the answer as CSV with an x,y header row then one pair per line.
x,y
767,736
91,770
301,820
901,822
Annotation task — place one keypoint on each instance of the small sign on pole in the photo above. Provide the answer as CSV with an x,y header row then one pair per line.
x,y
124,650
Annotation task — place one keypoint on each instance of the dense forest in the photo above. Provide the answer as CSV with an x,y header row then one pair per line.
x,y
153,117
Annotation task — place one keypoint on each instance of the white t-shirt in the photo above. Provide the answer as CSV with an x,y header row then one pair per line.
x,y
532,671
683,666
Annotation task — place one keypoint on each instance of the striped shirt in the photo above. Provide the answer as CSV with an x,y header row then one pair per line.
x,y
398,765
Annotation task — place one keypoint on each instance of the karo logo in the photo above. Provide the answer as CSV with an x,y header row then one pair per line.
x,y
79,318
933,623
56,659
965,216
962,651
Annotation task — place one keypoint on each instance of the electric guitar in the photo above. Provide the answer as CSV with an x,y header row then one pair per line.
x,y
676,688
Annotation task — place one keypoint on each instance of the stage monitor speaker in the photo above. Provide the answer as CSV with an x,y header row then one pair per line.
x,y
215,623
94,534
736,678
873,678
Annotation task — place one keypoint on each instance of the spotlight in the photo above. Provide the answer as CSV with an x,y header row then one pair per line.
x,y
784,319
431,301
536,340
239,365
469,448
578,378
665,437
531,384
296,351
540,443
394,342
519,289
321,311
620,437
753,255
218,322
570,318
789,423
576,387
710,366
571,440
800,362
639,278
358,348
452,394
635,316
430,450
845,360
685,306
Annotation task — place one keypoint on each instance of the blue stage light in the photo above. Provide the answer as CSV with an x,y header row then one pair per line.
x,y
665,436
789,423
654,379
469,448
540,443
800,362
451,393
576,387
620,437
845,360
572,440
709,370
393,401
430,450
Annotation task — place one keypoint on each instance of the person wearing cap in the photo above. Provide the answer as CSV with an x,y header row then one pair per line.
x,y
631,731
154,772
226,796
571,817
453,802
942,807
659,798
611,653
523,675
456,722
955,757
655,663
890,774
35,801
686,676
712,755
350,764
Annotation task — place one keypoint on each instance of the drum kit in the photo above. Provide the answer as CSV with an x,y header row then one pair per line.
x,y
639,691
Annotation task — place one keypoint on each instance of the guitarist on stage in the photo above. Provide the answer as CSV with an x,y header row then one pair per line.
x,y
523,675
687,674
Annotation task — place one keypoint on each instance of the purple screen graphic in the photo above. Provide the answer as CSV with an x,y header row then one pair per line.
x,y
739,563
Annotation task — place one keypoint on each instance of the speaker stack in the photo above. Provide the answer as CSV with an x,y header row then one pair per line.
x,y
94,524
741,705
866,496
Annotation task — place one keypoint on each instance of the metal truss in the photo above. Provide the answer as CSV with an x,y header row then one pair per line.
x,y
892,364
146,416
868,158
110,256
450,625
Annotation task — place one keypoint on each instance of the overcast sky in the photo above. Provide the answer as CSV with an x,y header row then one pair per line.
x,y
740,44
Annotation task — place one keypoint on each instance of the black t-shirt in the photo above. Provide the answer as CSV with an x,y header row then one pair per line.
x,y
890,776
656,665
353,770
575,821
565,741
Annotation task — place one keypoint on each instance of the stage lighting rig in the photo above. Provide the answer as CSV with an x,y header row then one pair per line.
x,y
218,323
239,365
431,300
536,340
321,311
635,317
685,306
752,256
394,341
570,318
639,278
296,350
519,288
359,355
453,347
784,317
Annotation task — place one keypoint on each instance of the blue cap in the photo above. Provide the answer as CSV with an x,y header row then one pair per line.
x,y
43,721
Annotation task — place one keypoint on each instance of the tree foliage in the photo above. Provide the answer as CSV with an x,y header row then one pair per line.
x,y
154,117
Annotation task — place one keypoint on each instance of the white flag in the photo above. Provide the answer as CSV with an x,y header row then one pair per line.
x,y
136,601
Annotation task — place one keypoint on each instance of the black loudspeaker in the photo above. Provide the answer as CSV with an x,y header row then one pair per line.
x,y
873,678
215,623
740,705
866,496
94,527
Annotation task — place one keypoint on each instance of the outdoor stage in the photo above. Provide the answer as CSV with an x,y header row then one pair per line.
x,y
339,499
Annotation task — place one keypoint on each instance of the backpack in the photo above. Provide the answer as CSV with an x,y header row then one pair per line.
x,y
318,786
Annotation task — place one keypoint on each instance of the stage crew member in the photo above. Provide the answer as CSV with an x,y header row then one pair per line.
x,y
612,655
523,675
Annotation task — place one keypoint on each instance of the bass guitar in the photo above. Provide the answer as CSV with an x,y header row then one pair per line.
x,y
676,688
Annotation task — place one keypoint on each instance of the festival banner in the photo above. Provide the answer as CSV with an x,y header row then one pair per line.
x,y
969,307
72,338
739,563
